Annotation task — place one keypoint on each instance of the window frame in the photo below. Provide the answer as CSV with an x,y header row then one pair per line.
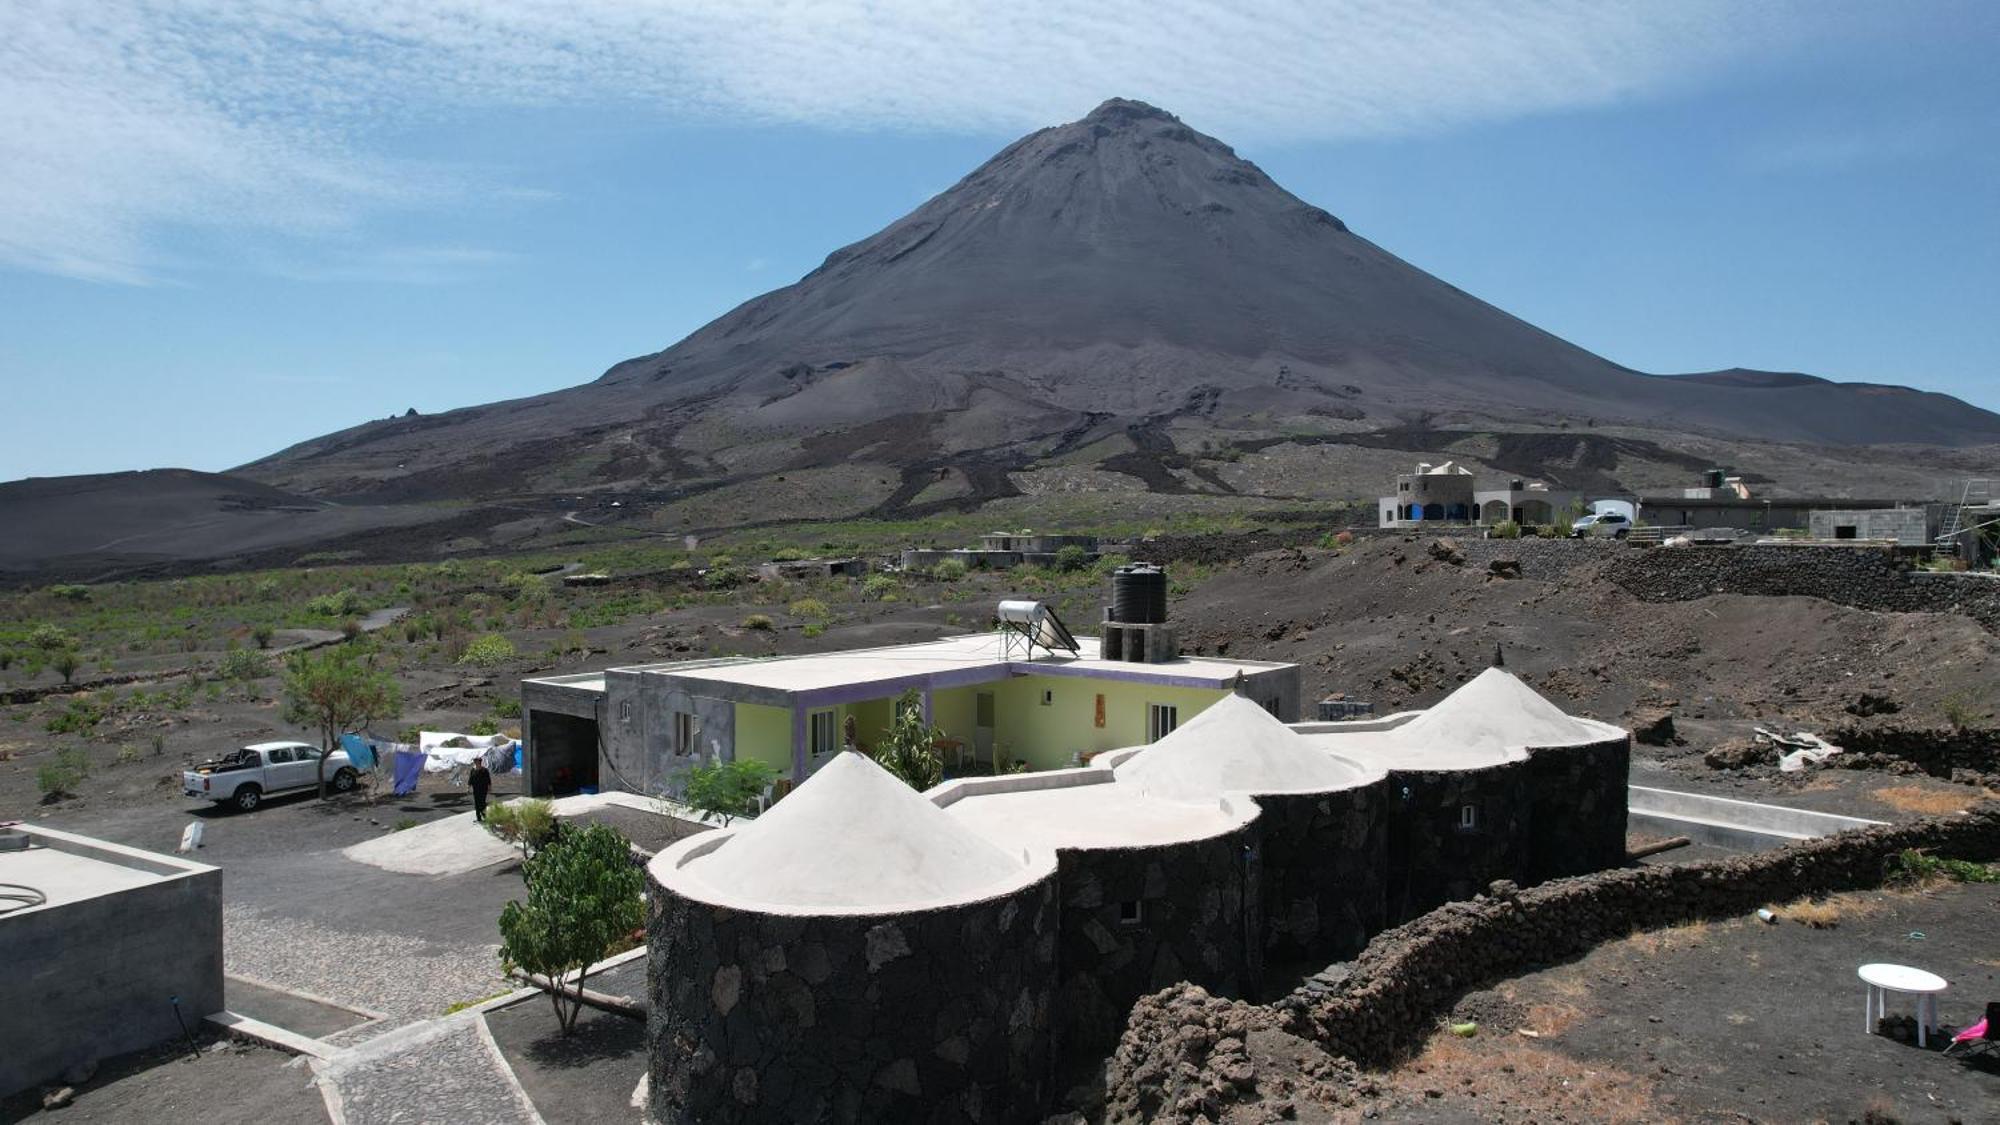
x,y
832,727
1154,712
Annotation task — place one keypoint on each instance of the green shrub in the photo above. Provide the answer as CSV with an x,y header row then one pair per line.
x,y
950,570
127,755
583,899
813,629
759,621
81,716
811,608
879,587
70,593
1071,559
6,659
908,748
63,776
51,638
787,554
1505,529
723,790
488,651
66,662
507,707
1961,713
723,577
341,603
484,725
244,664
1913,866
262,634
527,824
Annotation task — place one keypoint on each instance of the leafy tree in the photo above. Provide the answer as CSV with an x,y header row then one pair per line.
x,y
66,662
262,634
908,748
583,898
1072,558
244,664
50,638
340,692
724,790
528,824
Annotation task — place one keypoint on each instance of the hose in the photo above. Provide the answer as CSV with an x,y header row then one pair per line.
x,y
19,896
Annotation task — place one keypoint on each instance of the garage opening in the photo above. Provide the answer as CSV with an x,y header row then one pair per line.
x,y
565,754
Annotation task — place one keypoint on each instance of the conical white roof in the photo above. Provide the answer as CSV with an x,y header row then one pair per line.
x,y
1492,712
1234,746
853,838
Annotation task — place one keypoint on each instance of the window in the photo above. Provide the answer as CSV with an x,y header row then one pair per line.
x,y
1131,912
1048,697
1161,719
822,732
625,711
307,754
1468,818
687,733
281,754
1844,531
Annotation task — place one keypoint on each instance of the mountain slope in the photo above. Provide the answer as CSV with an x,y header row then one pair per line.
x,y
1122,274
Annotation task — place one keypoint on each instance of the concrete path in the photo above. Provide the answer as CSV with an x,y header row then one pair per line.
x,y
451,845
435,1073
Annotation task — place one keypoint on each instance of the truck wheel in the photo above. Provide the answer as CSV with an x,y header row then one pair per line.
x,y
247,797
343,781
1620,533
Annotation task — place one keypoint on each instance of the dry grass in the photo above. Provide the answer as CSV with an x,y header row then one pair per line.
x,y
1532,1078
1924,801
1552,1018
1686,935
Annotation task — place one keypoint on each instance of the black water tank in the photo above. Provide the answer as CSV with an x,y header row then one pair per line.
x,y
1139,594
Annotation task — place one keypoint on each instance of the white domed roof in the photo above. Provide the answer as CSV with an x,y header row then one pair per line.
x,y
854,839
1495,711
1235,746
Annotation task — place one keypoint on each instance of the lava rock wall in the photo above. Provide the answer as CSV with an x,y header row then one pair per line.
x,y
1875,578
1433,857
1134,920
1576,809
1324,857
935,1016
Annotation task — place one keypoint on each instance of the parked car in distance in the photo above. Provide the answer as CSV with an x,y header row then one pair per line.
x,y
243,778
1615,524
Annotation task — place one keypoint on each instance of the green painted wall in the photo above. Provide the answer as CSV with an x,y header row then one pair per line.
x,y
1047,736
765,733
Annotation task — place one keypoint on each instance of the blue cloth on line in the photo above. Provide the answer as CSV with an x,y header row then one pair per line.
x,y
360,752
409,767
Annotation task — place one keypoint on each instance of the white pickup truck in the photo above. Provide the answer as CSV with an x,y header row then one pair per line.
x,y
243,778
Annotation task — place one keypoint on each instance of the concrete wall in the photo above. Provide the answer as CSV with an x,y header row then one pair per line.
x,y
1324,861
1049,736
94,978
1199,916
1908,527
936,1016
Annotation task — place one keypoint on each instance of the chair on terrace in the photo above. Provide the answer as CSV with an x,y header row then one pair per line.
x,y
1981,1036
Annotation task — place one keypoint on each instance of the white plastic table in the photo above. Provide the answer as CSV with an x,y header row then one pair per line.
x,y
1883,979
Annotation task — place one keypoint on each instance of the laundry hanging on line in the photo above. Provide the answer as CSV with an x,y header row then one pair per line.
x,y
409,768
360,751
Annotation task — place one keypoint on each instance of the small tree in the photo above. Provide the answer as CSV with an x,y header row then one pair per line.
x,y
1072,558
908,748
724,790
66,662
337,693
527,824
583,898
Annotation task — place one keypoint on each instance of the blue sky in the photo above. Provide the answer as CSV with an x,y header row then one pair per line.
x,y
226,227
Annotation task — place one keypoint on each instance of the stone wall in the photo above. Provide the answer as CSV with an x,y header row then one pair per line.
x,y
934,1016
1577,805
1198,910
1431,859
1323,859
1181,1058
1875,578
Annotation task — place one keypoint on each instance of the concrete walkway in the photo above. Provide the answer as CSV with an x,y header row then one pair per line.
x,y
451,845
435,1073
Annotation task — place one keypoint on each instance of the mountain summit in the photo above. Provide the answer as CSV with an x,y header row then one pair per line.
x,y
1118,276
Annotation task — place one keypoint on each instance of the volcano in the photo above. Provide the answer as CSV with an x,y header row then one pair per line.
x,y
1119,276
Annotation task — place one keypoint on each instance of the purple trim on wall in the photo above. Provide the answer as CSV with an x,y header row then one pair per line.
x,y
985,674
798,744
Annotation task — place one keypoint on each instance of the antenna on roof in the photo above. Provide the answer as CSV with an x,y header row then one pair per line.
x,y
1033,623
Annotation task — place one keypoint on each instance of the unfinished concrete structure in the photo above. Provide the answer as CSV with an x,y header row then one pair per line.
x,y
996,929
1905,527
94,969
1002,550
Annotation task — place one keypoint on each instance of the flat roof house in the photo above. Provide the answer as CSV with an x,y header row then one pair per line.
x,y
641,727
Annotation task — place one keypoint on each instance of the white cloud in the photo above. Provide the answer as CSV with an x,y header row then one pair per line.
x,y
124,121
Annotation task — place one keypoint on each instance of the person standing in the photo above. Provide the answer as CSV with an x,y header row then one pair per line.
x,y
482,780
